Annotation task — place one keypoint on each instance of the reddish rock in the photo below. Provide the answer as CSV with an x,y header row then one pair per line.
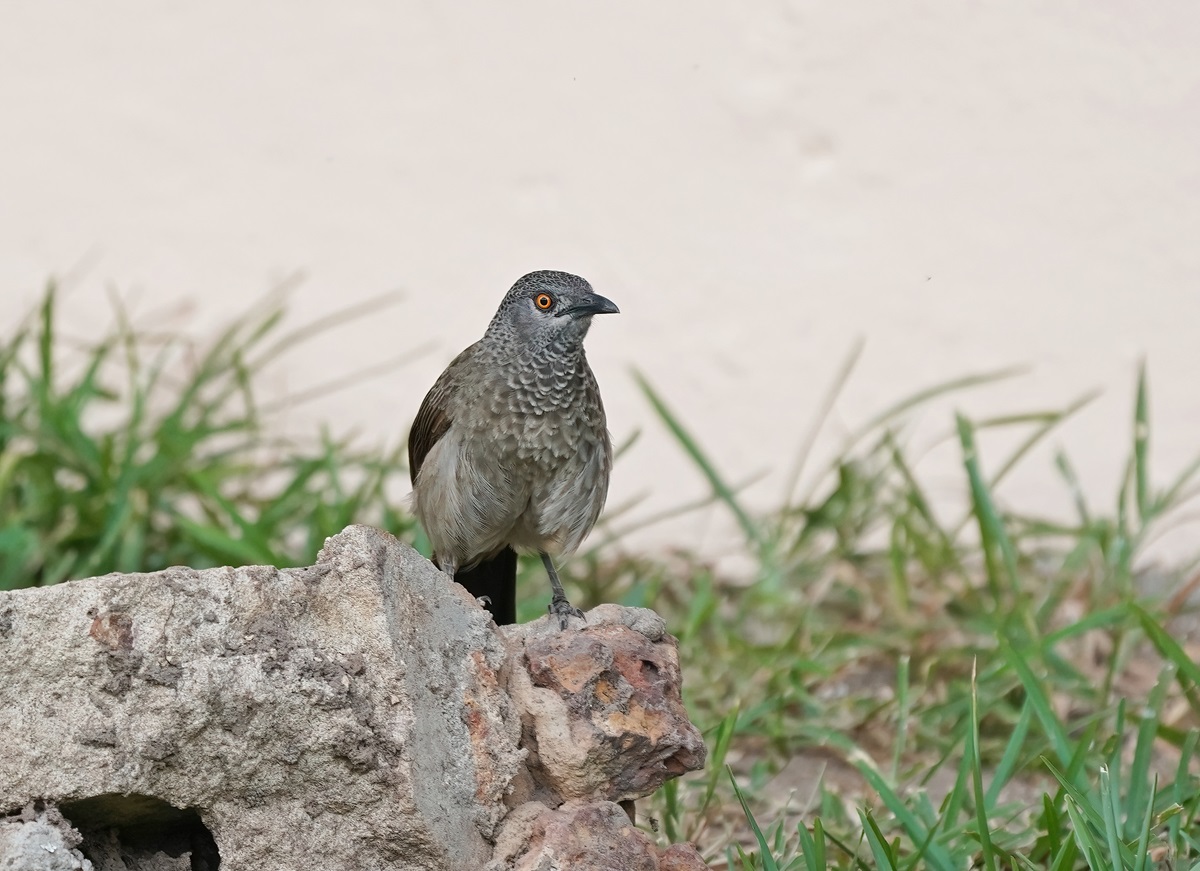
x,y
601,710
596,836
583,836
681,857
364,711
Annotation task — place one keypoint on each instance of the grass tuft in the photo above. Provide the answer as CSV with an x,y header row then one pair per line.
x,y
885,689
999,693
142,450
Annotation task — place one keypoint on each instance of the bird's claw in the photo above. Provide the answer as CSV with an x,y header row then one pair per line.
x,y
484,602
564,611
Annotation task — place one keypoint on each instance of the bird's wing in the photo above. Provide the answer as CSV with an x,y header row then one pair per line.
x,y
433,417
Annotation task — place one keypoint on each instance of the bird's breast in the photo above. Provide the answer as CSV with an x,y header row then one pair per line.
x,y
543,420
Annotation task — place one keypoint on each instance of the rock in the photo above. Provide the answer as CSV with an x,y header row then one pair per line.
x,y
681,857
362,713
343,716
596,836
40,841
601,710
579,835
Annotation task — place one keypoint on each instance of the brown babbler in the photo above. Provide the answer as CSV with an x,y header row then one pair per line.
x,y
510,450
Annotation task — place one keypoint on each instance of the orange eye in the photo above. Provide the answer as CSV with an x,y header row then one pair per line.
x,y
543,301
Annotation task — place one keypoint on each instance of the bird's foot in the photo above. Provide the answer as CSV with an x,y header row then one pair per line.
x,y
564,611
484,602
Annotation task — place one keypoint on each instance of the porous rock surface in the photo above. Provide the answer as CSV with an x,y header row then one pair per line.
x,y
34,840
603,722
597,836
361,713
601,709
313,717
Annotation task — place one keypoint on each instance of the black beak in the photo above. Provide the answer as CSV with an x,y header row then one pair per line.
x,y
592,304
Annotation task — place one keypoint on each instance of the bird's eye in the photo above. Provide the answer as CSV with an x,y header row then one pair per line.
x,y
543,301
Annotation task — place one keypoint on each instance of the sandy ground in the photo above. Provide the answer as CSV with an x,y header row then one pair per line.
x,y
962,186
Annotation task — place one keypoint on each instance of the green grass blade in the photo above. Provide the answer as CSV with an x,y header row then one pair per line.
x,y
1012,755
1141,854
692,448
935,854
1046,422
877,842
903,703
991,527
976,765
1141,445
1038,698
935,391
1167,646
768,861
1086,839
1064,858
824,409
726,729
1110,807
1140,775
812,845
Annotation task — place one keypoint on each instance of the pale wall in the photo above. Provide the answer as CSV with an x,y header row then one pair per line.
x,y
965,185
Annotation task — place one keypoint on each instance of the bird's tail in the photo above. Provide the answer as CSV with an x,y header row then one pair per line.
x,y
495,578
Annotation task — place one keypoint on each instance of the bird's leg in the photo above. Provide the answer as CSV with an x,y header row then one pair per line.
x,y
559,606
451,568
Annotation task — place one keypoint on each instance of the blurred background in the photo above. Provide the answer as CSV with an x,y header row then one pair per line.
x,y
909,295
961,187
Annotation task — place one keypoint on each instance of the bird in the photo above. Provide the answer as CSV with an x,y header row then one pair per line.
x,y
510,449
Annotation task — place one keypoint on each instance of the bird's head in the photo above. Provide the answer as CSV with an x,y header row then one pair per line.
x,y
548,307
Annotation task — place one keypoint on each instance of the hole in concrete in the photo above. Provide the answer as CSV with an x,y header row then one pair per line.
x,y
139,833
